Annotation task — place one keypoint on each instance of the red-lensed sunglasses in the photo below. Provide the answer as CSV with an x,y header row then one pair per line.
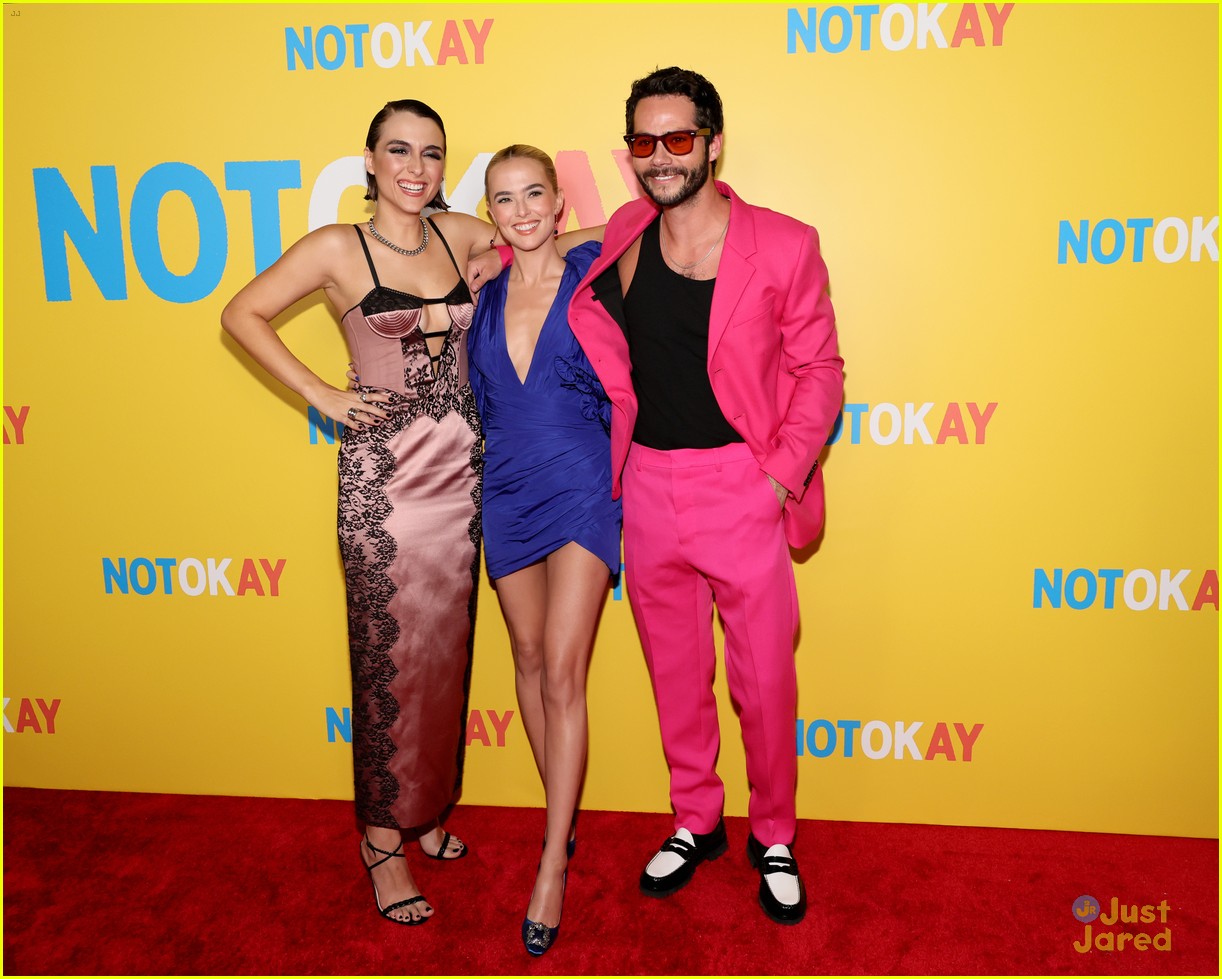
x,y
678,143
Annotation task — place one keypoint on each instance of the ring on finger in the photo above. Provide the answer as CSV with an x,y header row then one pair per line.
x,y
364,400
352,414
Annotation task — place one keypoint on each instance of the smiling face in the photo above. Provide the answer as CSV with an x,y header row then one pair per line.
x,y
523,201
408,162
669,179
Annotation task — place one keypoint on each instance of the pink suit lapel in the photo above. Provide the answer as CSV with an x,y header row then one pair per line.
x,y
734,275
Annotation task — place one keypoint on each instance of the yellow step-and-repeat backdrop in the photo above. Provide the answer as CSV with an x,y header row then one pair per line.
x,y
1012,617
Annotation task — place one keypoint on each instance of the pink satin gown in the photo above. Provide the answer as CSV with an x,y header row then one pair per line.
x,y
409,531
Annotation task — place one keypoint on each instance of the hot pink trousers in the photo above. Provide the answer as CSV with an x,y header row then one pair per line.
x,y
703,526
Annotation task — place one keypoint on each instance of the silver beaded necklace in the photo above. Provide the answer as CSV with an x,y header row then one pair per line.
x,y
409,252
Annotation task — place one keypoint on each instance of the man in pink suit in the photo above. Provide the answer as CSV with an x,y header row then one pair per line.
x,y
709,324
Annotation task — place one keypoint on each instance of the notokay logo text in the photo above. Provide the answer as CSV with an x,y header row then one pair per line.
x,y
105,229
487,727
876,740
910,423
33,715
895,27
386,45
1110,240
193,576
1139,589
14,424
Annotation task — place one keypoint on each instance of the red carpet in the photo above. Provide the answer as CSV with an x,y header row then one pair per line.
x,y
116,883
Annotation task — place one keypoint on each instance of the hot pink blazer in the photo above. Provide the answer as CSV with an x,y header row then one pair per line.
x,y
773,361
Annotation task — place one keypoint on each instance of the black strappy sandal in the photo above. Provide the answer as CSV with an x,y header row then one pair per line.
x,y
441,850
385,912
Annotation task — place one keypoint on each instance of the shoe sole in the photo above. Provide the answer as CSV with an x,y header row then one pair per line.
x,y
694,864
777,919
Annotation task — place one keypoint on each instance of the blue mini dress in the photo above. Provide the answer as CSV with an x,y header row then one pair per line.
x,y
547,448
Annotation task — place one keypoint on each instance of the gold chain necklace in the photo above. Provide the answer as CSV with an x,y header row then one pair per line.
x,y
686,267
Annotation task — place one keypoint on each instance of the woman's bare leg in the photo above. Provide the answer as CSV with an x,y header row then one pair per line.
x,y
523,598
576,589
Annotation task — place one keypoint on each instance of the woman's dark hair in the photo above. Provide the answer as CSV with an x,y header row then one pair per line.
x,y
416,108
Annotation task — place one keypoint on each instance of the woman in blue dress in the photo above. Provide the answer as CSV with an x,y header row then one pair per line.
x,y
551,529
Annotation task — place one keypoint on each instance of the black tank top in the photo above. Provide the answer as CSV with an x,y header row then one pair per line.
x,y
668,340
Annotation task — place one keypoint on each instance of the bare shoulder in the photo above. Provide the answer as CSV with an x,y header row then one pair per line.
x,y
322,247
457,220
337,247
462,228
327,258
334,239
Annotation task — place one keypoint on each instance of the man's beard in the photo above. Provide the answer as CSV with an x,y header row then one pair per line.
x,y
669,195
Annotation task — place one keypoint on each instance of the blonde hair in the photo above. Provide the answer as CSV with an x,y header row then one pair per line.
x,y
522,151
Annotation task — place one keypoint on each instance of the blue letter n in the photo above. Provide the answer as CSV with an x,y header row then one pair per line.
x,y
336,725
60,217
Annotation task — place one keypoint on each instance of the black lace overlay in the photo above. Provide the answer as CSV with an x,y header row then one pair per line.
x,y
410,689
372,630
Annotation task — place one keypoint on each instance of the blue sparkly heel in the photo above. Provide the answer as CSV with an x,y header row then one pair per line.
x,y
538,937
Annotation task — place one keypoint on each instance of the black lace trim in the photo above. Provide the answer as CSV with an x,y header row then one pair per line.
x,y
372,630
383,299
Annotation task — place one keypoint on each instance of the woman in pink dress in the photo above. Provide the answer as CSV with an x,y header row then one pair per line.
x,y
409,481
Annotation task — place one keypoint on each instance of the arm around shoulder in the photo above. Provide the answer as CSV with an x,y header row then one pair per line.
x,y
579,236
